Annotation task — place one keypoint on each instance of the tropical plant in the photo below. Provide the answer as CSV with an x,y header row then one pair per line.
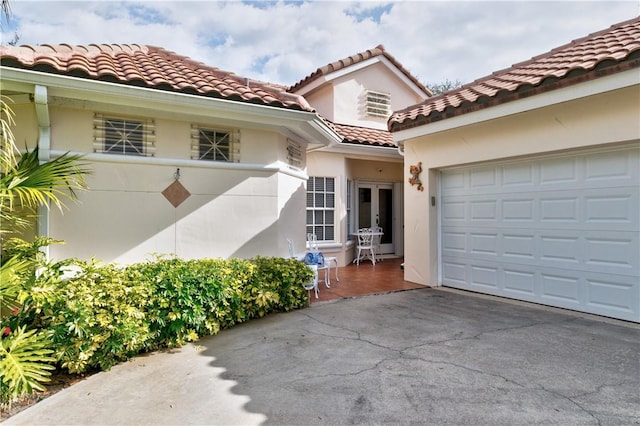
x,y
25,362
25,184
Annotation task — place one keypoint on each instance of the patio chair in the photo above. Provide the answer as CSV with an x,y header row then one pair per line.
x,y
312,285
377,242
312,239
365,244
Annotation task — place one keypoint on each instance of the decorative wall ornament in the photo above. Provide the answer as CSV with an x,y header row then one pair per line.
x,y
175,193
415,176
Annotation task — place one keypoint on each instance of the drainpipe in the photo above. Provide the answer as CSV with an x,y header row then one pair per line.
x,y
44,152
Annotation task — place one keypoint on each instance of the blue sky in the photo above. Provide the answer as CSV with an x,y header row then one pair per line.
x,y
282,42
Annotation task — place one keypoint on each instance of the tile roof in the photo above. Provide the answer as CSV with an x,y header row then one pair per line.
x,y
148,66
364,136
602,53
352,60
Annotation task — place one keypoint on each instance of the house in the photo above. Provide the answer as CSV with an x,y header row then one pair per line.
x,y
192,160
531,179
364,172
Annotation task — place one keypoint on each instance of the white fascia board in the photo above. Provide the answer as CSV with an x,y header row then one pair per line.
x,y
174,103
390,153
574,92
337,74
356,67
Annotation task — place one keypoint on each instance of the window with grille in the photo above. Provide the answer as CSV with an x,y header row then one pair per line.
x,y
123,136
378,104
321,198
214,144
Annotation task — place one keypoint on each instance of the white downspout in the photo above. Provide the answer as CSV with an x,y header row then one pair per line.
x,y
44,152
401,148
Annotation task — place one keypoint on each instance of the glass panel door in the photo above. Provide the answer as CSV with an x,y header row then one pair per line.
x,y
375,208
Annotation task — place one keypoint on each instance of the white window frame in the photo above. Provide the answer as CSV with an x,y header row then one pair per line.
x,y
378,104
321,207
119,135
213,151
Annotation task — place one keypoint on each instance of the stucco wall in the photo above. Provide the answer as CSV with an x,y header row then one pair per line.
x,y
233,211
597,120
349,95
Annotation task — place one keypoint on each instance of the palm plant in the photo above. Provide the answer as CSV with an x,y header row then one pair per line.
x,y
25,184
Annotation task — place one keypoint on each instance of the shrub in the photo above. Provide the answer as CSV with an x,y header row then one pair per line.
x,y
193,298
84,315
277,286
97,317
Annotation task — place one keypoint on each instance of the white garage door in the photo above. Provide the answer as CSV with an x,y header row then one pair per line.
x,y
560,231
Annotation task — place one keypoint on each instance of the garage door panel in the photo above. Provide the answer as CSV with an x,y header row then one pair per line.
x,y
615,296
484,278
560,288
520,283
612,252
613,208
563,232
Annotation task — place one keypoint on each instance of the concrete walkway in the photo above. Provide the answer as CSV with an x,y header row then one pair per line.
x,y
426,356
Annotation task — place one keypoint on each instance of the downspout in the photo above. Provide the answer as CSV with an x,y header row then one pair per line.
x,y
44,152
401,148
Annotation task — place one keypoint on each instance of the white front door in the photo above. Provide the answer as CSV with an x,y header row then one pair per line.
x,y
375,208
560,230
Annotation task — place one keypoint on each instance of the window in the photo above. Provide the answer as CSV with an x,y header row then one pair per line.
x,y
123,136
214,144
378,104
321,207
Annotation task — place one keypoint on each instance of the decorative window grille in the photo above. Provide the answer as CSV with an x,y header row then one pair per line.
x,y
294,154
123,136
378,104
321,199
214,144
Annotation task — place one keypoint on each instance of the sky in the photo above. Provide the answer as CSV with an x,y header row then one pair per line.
x,y
284,41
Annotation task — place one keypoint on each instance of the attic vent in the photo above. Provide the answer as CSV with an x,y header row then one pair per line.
x,y
294,154
378,104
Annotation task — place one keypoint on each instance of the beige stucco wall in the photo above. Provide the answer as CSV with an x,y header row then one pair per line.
x,y
233,211
344,168
597,120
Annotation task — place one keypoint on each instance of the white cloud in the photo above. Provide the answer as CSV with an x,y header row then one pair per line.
x,y
284,42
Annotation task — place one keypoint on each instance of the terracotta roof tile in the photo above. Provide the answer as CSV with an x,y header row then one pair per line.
x,y
355,59
154,67
364,135
605,52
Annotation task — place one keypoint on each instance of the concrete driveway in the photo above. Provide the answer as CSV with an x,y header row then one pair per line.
x,y
427,356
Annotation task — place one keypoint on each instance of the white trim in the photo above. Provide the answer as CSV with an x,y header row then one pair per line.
x,y
318,82
582,90
313,129
276,167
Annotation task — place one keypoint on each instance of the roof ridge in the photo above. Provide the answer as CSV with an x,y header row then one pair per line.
x,y
356,58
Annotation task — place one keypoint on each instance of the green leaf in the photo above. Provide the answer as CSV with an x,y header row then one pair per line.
x,y
25,362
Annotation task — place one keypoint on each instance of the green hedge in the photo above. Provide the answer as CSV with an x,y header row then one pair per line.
x,y
100,315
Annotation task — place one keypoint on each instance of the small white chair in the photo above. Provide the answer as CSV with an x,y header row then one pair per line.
x,y
377,242
312,285
312,239
365,244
